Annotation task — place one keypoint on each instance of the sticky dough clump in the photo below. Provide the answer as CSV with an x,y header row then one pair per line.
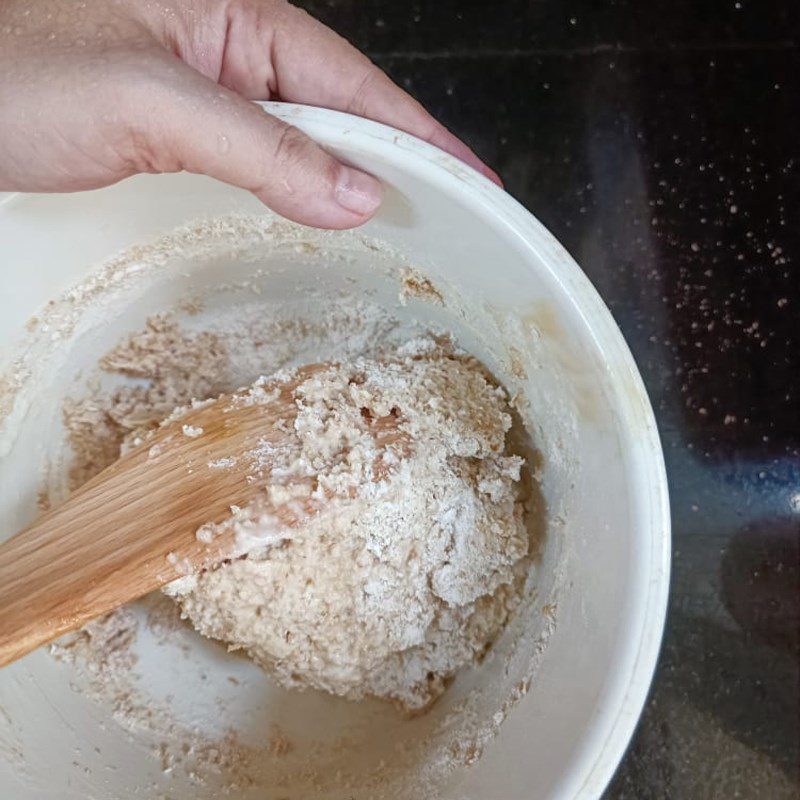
x,y
400,581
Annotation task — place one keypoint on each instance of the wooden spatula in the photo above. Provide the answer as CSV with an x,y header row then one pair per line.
x,y
133,527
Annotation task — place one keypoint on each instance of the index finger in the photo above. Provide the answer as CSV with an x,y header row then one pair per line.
x,y
318,67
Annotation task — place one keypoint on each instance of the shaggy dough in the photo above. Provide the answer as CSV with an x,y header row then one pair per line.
x,y
398,582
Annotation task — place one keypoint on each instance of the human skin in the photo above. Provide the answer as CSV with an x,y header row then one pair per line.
x,y
93,92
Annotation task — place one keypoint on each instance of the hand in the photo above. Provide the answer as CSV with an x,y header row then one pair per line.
x,y
92,92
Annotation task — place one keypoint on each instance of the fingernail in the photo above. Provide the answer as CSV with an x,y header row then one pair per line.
x,y
358,192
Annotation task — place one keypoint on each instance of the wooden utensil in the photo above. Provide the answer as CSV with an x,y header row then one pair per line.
x,y
133,527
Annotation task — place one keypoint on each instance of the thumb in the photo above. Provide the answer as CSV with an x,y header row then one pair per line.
x,y
203,128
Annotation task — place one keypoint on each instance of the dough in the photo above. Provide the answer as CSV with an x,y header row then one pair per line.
x,y
398,582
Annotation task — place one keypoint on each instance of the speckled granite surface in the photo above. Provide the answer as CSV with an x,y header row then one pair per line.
x,y
659,140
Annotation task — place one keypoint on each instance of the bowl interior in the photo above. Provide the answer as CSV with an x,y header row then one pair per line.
x,y
555,702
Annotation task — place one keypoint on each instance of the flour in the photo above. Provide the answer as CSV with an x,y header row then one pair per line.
x,y
396,583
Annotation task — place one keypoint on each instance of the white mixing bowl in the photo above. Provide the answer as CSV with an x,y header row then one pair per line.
x,y
550,712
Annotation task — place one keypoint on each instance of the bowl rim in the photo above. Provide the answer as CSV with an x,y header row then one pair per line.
x,y
604,743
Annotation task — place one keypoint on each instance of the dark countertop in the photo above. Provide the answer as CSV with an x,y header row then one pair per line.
x,y
659,140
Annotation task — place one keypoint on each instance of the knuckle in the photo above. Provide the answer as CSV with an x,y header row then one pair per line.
x,y
359,102
142,154
291,147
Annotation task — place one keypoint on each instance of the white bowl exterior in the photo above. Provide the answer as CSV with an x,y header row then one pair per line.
x,y
520,297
